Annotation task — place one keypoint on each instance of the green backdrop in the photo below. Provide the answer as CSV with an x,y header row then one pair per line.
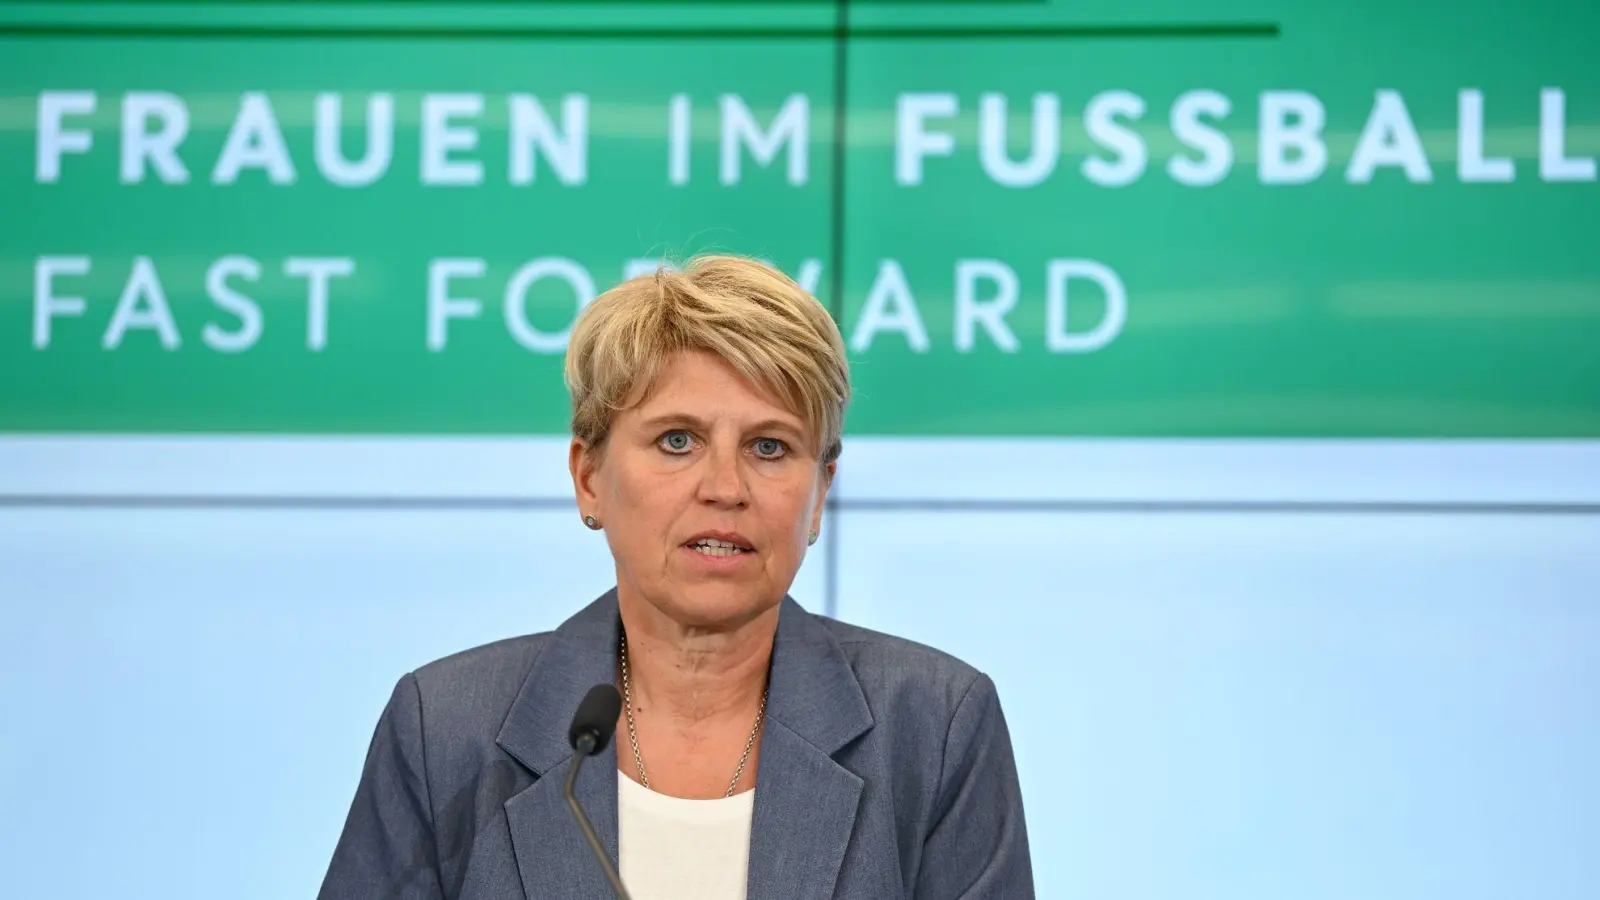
x,y
1141,219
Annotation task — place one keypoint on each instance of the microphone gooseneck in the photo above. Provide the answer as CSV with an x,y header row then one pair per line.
x,y
592,727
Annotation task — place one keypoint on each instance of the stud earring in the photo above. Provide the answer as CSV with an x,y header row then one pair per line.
x,y
813,538
592,522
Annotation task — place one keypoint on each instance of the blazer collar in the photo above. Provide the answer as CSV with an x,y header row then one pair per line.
x,y
805,801
580,654
815,693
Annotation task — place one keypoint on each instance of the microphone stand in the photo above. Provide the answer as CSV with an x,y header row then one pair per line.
x,y
585,746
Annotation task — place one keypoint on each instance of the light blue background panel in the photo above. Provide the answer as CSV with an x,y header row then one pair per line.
x,y
1237,705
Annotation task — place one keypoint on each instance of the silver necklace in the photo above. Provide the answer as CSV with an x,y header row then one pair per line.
x,y
633,736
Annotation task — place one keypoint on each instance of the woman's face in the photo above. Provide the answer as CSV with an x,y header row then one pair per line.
x,y
708,492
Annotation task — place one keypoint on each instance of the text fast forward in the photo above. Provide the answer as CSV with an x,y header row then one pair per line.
x,y
986,293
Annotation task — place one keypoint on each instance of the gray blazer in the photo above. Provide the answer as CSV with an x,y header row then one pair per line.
x,y
886,771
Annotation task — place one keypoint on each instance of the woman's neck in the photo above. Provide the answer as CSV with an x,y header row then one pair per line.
x,y
685,677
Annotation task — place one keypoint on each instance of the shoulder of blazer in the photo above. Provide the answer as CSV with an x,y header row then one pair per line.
x,y
902,677
465,696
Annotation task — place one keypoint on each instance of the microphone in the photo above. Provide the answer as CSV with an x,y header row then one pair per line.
x,y
592,727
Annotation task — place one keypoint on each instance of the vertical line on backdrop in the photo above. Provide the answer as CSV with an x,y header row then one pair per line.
x,y
841,44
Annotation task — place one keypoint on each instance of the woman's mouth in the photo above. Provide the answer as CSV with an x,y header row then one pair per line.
x,y
713,547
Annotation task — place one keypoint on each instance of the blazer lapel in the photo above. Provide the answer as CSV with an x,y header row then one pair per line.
x,y
805,803
553,859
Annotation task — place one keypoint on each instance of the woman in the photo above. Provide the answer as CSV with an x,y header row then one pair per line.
x,y
762,751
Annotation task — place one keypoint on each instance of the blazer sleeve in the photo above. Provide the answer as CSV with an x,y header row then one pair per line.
x,y
977,848
387,849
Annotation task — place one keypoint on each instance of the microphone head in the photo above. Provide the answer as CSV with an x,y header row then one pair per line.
x,y
597,714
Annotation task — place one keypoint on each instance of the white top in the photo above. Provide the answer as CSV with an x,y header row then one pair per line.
x,y
674,849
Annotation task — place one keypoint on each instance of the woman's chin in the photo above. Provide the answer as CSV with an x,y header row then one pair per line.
x,y
718,603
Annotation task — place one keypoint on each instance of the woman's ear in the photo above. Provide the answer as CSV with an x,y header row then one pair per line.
x,y
822,496
582,461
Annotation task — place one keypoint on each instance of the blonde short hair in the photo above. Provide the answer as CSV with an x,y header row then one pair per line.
x,y
759,320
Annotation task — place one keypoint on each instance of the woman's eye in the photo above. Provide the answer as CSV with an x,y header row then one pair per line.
x,y
675,441
769,447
